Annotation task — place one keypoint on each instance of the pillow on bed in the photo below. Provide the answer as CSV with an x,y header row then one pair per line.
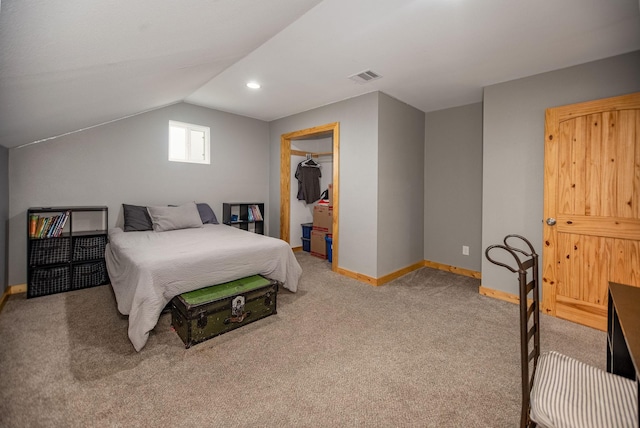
x,y
206,214
172,218
136,218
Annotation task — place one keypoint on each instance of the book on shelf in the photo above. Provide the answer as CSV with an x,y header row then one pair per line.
x,y
47,227
63,223
257,215
54,226
59,222
33,225
43,227
55,221
39,226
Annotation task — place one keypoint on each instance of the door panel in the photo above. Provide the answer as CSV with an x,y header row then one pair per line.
x,y
592,189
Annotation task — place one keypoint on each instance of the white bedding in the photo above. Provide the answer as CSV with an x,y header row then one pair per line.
x,y
147,269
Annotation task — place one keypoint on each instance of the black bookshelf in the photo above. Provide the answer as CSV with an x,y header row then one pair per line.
x,y
62,256
242,219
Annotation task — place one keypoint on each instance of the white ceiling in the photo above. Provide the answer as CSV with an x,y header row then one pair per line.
x,y
66,65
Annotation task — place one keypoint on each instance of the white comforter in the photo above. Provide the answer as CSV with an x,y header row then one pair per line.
x,y
147,269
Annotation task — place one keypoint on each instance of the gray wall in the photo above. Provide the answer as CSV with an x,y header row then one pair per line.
x,y
358,119
514,146
400,185
126,162
453,186
381,173
4,215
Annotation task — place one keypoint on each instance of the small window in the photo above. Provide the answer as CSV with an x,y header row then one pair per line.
x,y
188,143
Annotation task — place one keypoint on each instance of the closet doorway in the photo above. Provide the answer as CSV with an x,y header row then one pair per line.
x,y
330,130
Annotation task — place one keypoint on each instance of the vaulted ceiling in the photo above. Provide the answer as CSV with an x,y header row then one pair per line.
x,y
67,65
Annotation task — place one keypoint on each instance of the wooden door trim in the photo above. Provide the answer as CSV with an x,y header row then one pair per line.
x,y
330,130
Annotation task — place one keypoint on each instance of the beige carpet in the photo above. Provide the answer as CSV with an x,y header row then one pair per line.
x,y
425,350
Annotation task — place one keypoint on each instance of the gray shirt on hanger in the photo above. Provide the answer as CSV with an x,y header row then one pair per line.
x,y
308,182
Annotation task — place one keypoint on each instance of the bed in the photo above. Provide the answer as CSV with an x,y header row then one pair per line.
x,y
148,268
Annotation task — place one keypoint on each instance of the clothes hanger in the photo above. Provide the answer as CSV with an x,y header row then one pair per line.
x,y
310,162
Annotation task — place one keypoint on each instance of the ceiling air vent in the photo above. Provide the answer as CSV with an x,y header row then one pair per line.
x,y
365,76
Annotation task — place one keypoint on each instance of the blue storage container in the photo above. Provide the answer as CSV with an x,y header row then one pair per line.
x,y
329,240
306,230
306,244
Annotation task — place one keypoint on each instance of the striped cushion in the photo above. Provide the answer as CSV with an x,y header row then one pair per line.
x,y
569,393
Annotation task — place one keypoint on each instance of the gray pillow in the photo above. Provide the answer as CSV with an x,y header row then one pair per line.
x,y
136,218
206,214
172,218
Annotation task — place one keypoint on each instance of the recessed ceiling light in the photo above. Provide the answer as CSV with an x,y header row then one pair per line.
x,y
253,85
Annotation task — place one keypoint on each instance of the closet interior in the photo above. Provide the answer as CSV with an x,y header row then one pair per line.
x,y
311,178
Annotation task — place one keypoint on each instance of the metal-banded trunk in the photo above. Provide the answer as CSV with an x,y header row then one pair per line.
x,y
208,312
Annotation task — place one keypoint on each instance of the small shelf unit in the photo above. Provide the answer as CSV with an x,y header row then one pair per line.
x,y
71,259
241,212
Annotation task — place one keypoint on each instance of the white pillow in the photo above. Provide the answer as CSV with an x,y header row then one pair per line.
x,y
172,218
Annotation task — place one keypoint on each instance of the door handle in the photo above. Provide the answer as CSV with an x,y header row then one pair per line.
x,y
551,221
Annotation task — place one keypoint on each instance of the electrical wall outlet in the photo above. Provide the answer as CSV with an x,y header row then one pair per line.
x,y
465,250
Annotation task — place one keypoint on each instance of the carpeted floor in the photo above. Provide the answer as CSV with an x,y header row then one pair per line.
x,y
425,350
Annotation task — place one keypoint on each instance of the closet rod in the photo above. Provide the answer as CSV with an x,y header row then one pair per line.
x,y
315,155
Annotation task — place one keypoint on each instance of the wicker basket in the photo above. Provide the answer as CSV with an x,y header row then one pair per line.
x,y
89,275
49,251
48,281
89,248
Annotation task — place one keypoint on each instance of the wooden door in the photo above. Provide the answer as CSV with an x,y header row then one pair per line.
x,y
592,191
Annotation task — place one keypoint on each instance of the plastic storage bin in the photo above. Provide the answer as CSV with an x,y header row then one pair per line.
x,y
329,240
306,230
306,244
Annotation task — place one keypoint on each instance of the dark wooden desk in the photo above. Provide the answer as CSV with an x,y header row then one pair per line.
x,y
623,332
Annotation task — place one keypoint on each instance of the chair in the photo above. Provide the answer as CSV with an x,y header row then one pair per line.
x,y
557,390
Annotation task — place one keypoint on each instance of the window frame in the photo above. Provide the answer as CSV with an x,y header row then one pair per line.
x,y
188,128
